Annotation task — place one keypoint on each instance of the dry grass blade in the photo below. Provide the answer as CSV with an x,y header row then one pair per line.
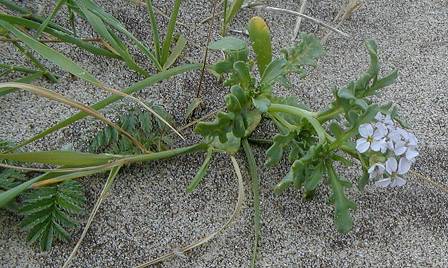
x,y
345,13
206,239
434,183
268,8
299,20
43,92
112,175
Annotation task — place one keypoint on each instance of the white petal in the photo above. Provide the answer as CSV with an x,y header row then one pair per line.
x,y
411,153
362,145
412,140
403,166
398,182
365,130
381,130
400,150
379,117
378,145
391,165
383,183
388,120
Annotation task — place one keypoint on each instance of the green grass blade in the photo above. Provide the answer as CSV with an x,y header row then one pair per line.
x,y
27,12
59,158
256,192
67,38
53,13
98,25
154,28
230,14
27,79
116,24
169,32
202,172
35,62
177,51
50,54
100,105
7,196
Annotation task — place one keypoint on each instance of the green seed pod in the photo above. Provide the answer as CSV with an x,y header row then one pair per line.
x,y
261,42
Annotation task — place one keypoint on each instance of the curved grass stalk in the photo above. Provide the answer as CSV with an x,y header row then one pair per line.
x,y
227,224
110,180
40,91
47,178
107,101
68,65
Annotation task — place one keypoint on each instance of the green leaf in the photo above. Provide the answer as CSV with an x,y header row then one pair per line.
x,y
177,51
253,119
261,42
228,43
46,220
305,53
274,72
275,152
343,205
192,107
261,103
231,145
313,181
201,172
242,70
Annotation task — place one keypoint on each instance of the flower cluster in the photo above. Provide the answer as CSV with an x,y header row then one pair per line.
x,y
399,147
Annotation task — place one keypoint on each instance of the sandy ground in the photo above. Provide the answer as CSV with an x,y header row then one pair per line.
x,y
149,212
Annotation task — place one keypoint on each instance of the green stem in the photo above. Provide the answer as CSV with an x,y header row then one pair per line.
x,y
165,154
324,116
309,116
256,192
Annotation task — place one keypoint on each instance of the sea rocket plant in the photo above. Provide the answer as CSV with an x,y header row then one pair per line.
x,y
395,147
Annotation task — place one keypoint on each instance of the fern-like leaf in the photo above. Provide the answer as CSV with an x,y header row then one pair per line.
x,y
147,129
49,211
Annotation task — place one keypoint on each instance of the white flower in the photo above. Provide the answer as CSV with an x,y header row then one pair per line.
x,y
395,170
371,138
376,171
404,143
385,119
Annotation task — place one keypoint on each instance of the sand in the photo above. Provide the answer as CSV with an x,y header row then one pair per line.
x,y
149,212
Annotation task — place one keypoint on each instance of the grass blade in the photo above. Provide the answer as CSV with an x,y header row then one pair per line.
x,y
110,180
101,104
169,32
66,177
27,79
256,192
68,65
201,172
67,38
60,98
116,24
177,51
7,196
59,158
98,25
55,10
154,28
